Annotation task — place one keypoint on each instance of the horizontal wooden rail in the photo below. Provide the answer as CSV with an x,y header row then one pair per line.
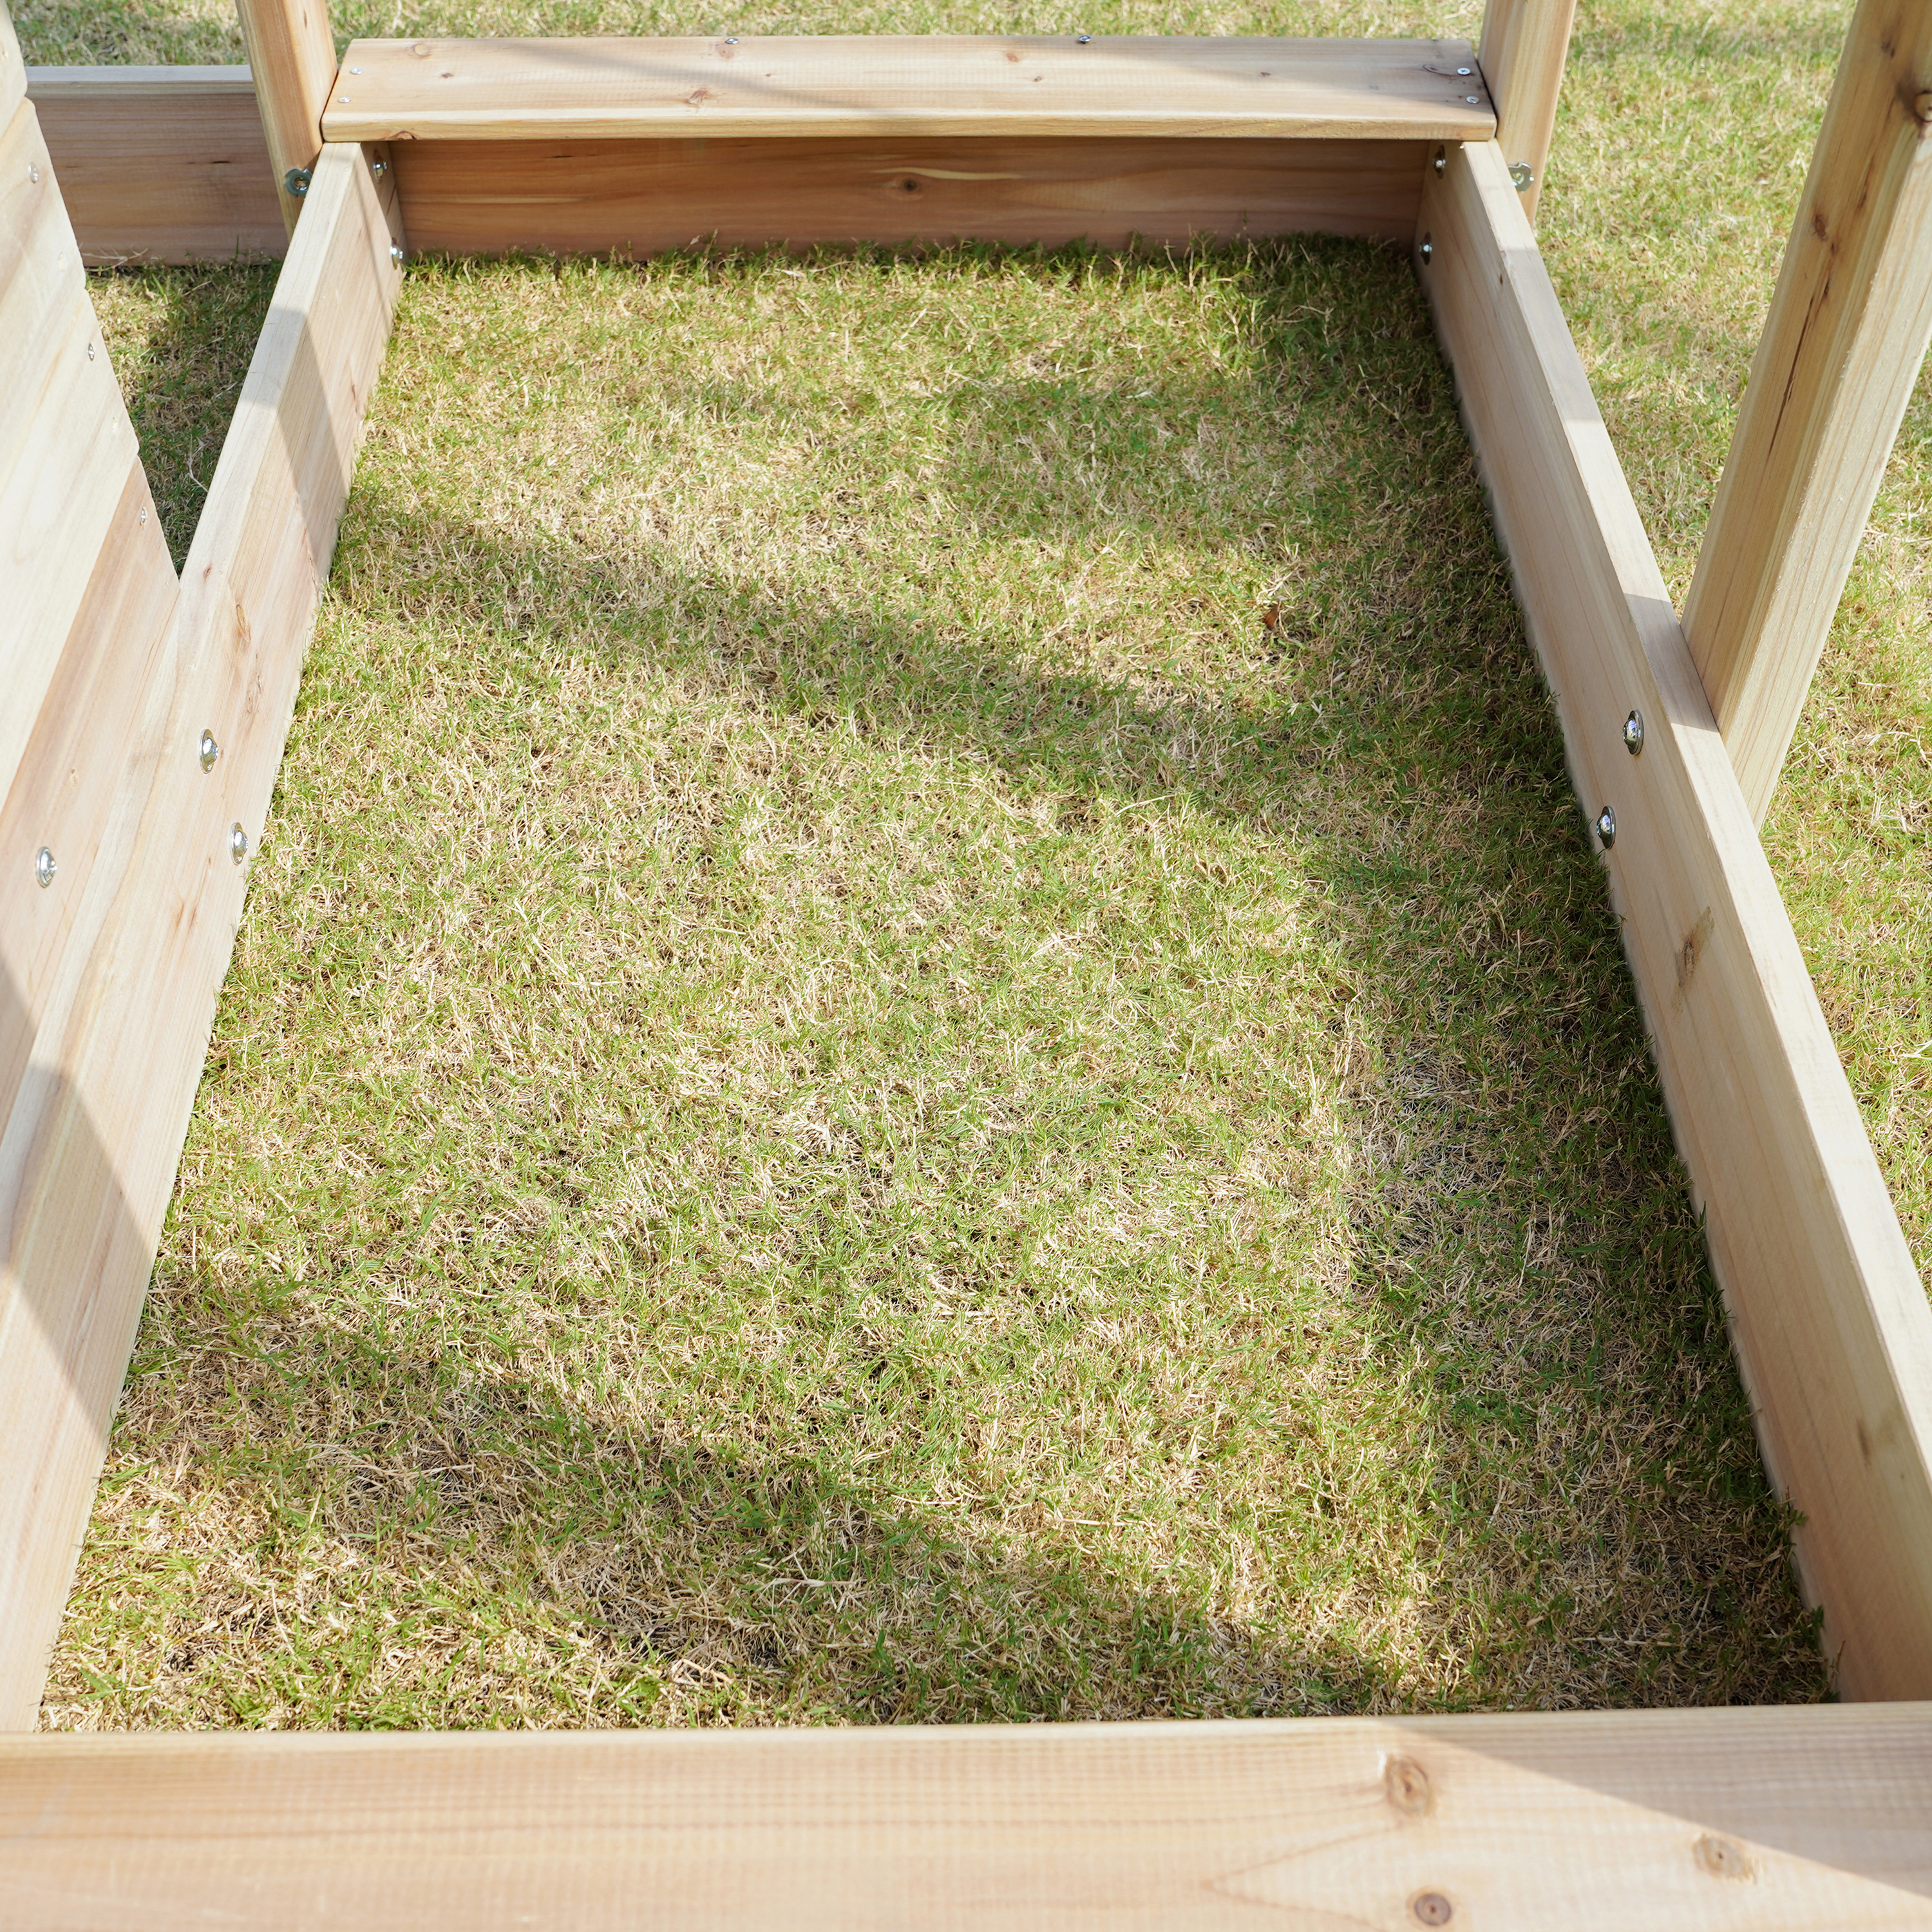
x,y
1829,1315
1771,1820
159,164
909,86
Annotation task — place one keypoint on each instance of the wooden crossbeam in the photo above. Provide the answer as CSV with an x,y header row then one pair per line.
x,y
909,86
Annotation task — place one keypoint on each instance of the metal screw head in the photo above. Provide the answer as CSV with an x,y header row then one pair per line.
x,y
1466,72
1634,733
1083,39
33,173
1441,163
238,842
210,752
731,39
44,867
1523,175
1426,251
296,182
355,69
144,516
379,168
90,352
1474,100
396,252
1606,827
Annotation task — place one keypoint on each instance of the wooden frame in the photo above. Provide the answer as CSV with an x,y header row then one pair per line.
x,y
114,670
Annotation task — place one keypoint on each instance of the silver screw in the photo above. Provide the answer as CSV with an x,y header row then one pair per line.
x,y
1083,39
1441,163
90,352
210,752
1523,175
44,867
396,254
144,516
355,69
33,173
296,182
238,842
731,39
1464,72
379,167
1606,827
1474,100
1427,251
1634,733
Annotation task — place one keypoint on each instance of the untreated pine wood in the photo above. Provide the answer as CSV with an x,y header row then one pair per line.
x,y
640,196
909,86
161,164
291,49
13,73
90,1142
1773,1820
1524,45
1829,383
1829,1316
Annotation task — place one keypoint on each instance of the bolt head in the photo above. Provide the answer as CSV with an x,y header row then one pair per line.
x,y
1634,733
210,750
1083,39
1474,100
1426,251
90,352
238,842
44,867
33,172
1464,72
1606,827
1523,175
379,168
396,254
1441,163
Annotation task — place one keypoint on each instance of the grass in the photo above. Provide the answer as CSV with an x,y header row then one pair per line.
x,y
926,1032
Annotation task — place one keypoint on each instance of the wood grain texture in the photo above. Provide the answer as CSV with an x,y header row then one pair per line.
x,y
1524,45
1769,1819
907,86
1829,383
13,73
640,196
94,1134
1829,1316
159,164
291,49
65,441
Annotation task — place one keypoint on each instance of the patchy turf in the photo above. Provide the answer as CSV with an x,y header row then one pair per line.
x,y
925,1032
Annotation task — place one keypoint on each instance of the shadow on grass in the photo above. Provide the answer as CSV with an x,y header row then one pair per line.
x,y
1520,1261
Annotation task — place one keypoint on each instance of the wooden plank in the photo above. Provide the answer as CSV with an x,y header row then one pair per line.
x,y
13,71
640,196
1829,384
907,86
291,49
159,164
89,1148
66,444
1769,1819
1524,45
1830,1320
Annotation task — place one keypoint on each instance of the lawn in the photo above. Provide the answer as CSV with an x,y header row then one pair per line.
x,y
926,1032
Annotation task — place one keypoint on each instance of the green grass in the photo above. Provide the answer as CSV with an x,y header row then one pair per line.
x,y
925,1031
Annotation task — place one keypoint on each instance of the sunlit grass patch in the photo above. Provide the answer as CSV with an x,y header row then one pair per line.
x,y
925,1032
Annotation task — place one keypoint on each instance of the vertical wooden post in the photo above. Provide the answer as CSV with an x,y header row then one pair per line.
x,y
1829,383
291,54
1523,47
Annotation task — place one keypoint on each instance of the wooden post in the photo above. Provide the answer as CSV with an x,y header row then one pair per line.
x,y
1828,385
1523,47
291,54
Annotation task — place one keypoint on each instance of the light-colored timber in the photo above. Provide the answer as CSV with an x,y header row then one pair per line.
x,y
636,197
1524,45
119,1020
1829,383
291,50
1706,1821
13,73
908,85
1829,1316
161,164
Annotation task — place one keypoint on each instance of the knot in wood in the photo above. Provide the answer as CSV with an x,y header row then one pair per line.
x,y
1407,1786
1723,1858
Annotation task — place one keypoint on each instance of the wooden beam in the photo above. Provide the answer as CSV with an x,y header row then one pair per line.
x,y
1833,371
639,197
291,50
1772,1820
1829,1315
908,86
13,72
119,1017
1524,45
159,164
